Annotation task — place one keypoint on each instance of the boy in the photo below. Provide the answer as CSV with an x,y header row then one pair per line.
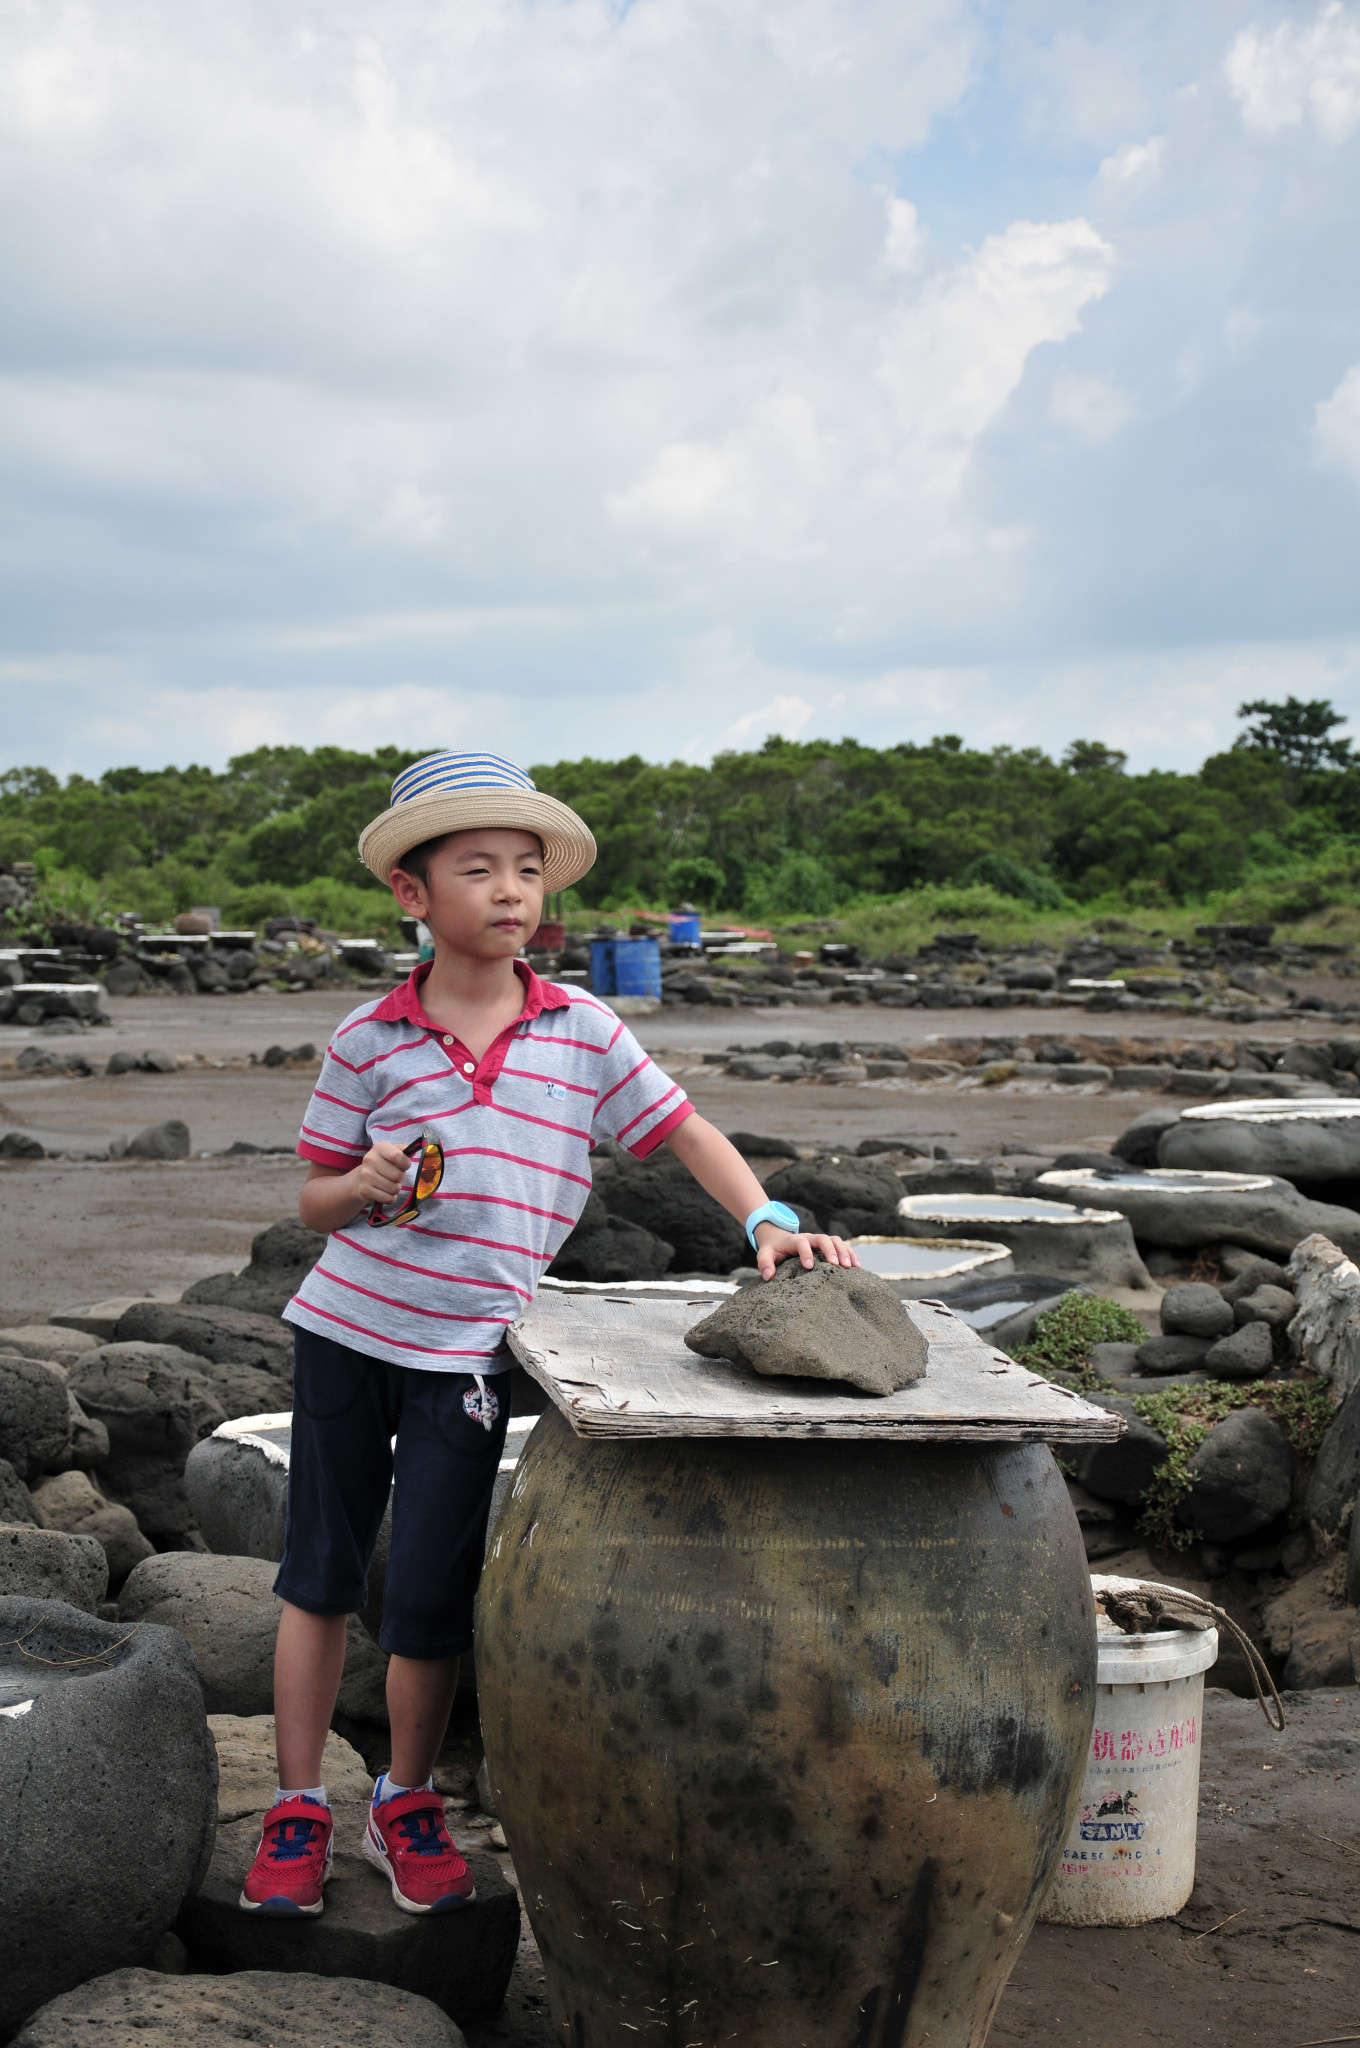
x,y
448,1145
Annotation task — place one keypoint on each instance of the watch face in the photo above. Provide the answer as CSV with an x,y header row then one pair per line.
x,y
774,1212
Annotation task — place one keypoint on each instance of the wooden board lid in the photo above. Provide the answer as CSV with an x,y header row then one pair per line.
x,y
617,1366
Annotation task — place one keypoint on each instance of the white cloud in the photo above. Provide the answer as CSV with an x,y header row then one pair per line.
x,y
1136,160
945,357
751,495
1336,425
1091,407
904,239
1299,70
788,716
1166,708
952,358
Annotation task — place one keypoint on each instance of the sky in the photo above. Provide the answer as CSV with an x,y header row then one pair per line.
x,y
573,378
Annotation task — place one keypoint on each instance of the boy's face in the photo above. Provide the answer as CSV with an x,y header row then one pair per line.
x,y
484,898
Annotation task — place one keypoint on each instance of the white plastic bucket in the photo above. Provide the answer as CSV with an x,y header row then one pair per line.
x,y
1130,1850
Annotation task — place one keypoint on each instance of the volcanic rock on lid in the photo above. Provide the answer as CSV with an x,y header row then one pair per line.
x,y
822,1323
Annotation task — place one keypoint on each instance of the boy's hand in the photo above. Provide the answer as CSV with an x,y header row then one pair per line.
x,y
383,1171
773,1245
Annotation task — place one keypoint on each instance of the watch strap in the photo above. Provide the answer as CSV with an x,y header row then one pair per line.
x,y
771,1212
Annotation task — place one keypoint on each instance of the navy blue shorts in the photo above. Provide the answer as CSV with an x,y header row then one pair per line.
x,y
347,1407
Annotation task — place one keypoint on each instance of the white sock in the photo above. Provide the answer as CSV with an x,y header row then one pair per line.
x,y
316,1792
388,1788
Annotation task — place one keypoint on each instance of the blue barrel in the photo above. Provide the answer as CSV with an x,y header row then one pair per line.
x,y
637,967
685,930
625,967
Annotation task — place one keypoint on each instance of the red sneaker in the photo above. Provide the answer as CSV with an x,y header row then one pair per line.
x,y
293,1860
407,1840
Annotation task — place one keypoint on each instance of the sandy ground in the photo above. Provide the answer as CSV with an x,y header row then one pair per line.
x,y
76,1231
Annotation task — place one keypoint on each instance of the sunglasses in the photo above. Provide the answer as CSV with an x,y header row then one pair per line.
x,y
429,1173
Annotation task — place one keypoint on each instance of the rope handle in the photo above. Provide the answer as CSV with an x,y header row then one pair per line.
x,y
1138,1611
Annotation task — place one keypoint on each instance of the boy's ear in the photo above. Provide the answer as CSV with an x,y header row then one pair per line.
x,y
408,890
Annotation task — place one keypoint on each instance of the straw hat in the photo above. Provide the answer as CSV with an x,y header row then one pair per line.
x,y
458,792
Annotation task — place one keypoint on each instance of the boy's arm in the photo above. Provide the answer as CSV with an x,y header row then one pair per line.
x,y
331,1198
722,1172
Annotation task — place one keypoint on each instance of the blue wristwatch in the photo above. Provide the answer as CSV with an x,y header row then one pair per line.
x,y
771,1212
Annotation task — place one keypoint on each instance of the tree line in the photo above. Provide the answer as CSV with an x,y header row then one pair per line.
x,y
795,826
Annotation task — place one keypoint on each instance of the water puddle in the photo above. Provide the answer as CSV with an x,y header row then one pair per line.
x,y
1166,1180
1274,1109
985,1209
983,1317
907,1258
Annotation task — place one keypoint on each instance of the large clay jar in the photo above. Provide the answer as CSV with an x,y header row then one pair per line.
x,y
785,1735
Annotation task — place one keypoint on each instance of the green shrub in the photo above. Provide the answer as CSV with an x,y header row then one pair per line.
x,y
800,886
1062,1342
693,879
345,907
1065,1336
1009,878
1185,1415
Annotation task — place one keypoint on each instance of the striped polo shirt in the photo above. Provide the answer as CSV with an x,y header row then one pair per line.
x,y
516,1128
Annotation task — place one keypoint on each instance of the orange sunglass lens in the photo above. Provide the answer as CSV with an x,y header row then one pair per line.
x,y
430,1173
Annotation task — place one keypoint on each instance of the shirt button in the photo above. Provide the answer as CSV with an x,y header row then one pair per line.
x,y
469,1068
448,1038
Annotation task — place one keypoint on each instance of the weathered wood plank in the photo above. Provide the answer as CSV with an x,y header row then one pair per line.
x,y
617,1366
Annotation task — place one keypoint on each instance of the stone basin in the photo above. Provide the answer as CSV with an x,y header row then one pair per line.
x,y
1185,1207
919,1265
23,1683
237,1480
238,1483
1277,1109
1175,1180
985,1208
107,1724
1304,1138
1094,1246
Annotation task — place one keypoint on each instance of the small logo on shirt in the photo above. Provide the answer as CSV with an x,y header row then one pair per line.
x,y
481,1406
557,1091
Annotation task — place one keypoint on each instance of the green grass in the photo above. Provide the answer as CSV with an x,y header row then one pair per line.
x,y
903,924
1322,905
159,894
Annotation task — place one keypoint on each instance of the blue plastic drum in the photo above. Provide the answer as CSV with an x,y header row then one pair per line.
x,y
625,967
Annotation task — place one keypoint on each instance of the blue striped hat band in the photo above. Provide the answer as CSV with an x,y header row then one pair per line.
x,y
458,771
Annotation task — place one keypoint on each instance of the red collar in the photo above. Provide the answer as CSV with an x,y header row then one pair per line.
x,y
404,1004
